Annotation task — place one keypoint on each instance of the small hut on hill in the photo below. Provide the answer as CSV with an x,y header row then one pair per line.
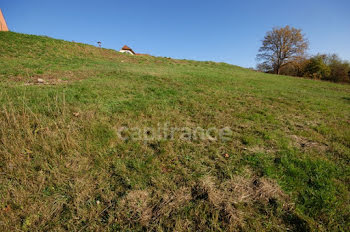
x,y
128,50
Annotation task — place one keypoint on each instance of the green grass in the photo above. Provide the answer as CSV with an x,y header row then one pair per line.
x,y
288,157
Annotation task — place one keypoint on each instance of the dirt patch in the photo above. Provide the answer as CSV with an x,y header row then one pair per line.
x,y
307,144
55,77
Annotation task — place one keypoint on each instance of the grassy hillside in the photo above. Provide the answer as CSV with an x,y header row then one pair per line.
x,y
63,165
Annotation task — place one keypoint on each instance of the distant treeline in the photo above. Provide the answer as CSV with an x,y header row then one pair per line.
x,y
283,52
320,66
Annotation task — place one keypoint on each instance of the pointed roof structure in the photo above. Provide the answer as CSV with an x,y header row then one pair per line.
x,y
3,25
126,48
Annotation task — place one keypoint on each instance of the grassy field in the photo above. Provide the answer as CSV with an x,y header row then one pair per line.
x,y
63,165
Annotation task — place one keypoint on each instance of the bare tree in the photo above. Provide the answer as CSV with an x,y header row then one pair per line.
x,y
281,46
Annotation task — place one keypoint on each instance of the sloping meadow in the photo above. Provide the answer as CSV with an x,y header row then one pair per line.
x,y
108,141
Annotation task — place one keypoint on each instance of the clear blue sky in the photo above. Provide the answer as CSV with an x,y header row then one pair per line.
x,y
217,30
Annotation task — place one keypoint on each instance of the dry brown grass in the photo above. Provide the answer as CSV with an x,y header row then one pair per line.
x,y
42,162
140,206
247,190
149,209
